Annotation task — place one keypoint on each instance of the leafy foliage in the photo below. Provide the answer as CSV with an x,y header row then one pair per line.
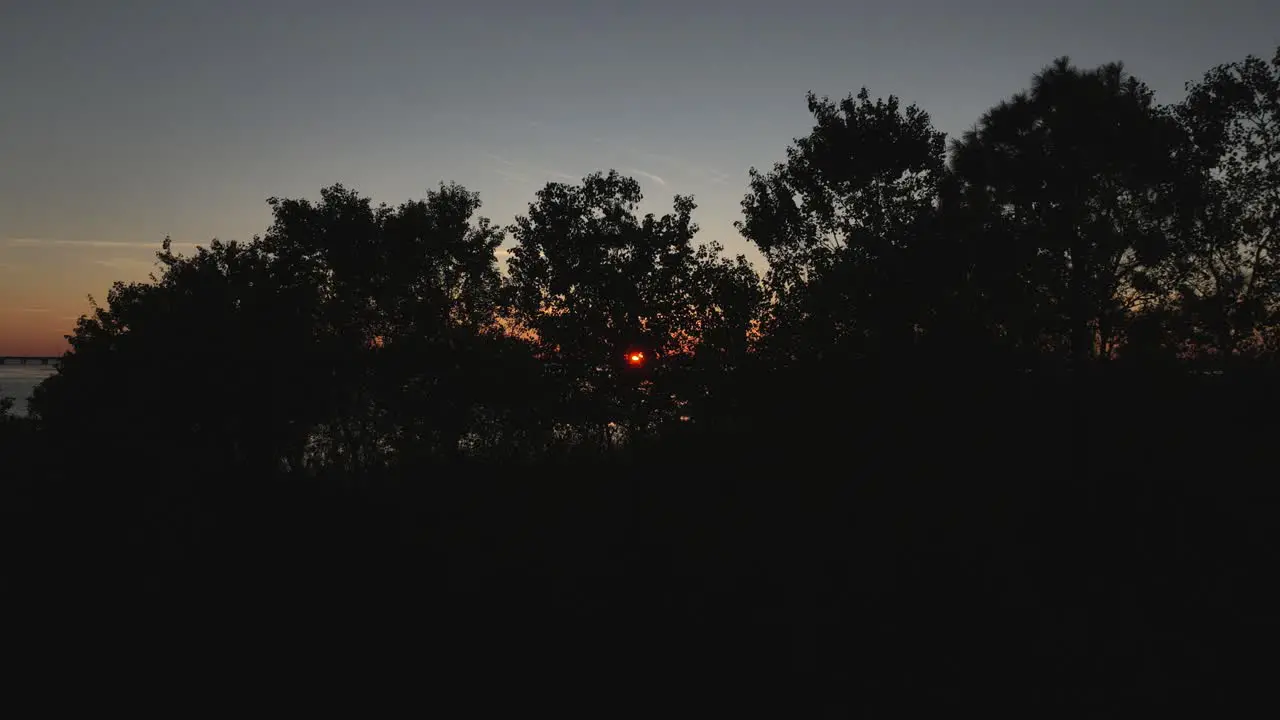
x,y
1070,177
594,281
1229,270
844,225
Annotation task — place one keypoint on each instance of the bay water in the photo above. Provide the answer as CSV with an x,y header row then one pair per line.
x,y
17,381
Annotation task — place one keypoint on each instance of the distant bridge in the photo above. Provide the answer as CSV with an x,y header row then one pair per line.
x,y
33,359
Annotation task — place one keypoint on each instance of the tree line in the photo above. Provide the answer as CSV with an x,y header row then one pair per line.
x,y
1078,225
1030,372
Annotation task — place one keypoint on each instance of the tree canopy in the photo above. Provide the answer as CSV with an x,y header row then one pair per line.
x,y
1077,224
845,226
594,282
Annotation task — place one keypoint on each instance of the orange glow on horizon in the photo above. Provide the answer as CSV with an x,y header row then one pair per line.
x,y
635,358
33,334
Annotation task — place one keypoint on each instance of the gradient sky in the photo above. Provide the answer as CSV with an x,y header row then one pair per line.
x,y
122,121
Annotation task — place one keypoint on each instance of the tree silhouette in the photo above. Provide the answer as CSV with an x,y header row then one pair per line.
x,y
1066,178
403,298
594,281
377,317
726,299
173,365
1228,289
844,224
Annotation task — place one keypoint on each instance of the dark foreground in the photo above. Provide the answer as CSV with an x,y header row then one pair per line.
x,y
899,557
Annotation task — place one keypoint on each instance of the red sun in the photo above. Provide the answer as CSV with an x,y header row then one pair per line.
x,y
635,358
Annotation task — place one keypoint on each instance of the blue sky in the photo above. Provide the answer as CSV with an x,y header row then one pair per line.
x,y
125,121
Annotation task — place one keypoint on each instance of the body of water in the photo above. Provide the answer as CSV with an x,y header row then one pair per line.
x,y
17,381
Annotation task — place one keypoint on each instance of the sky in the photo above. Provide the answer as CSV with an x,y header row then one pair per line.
x,y
125,121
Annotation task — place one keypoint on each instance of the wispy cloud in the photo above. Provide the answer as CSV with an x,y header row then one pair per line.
x,y
32,242
703,172
526,174
35,310
717,177
664,159
515,177
647,175
126,263
499,159
508,170
681,166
